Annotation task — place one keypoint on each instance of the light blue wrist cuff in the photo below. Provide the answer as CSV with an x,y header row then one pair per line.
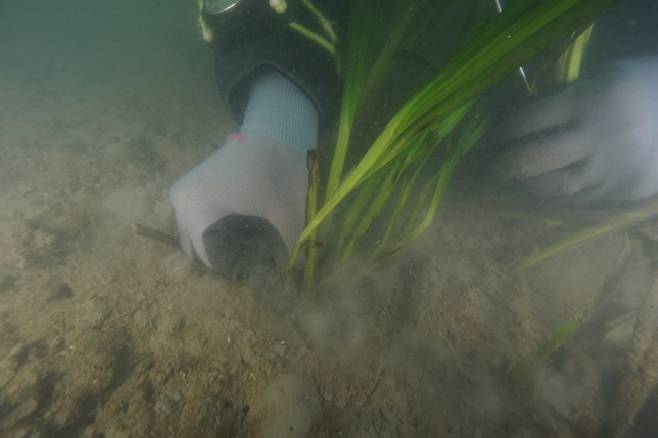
x,y
279,110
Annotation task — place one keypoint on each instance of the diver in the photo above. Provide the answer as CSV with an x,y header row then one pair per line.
x,y
597,140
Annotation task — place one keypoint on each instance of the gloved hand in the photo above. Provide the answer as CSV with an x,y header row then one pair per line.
x,y
243,207
595,141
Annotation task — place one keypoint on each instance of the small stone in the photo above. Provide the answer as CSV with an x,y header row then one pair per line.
x,y
61,291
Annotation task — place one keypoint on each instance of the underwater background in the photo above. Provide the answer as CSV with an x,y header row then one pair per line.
x,y
106,334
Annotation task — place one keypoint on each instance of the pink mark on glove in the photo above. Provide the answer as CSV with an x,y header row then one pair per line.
x,y
239,137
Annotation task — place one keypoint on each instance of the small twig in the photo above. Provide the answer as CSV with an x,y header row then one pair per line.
x,y
310,264
155,235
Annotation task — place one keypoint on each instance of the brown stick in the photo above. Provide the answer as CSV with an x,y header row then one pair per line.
x,y
155,235
312,197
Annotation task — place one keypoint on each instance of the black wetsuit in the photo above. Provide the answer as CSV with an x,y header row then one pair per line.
x,y
256,41
259,40
628,29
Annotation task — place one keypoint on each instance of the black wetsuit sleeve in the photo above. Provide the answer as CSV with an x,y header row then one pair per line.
x,y
628,29
249,44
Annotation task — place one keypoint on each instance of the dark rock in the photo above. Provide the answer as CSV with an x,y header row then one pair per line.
x,y
61,291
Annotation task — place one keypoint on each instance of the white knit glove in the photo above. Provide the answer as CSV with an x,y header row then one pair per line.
x,y
595,141
244,205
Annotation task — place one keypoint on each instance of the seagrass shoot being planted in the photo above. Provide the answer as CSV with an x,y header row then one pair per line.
x,y
270,198
391,195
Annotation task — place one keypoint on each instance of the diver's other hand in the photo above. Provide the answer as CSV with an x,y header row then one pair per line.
x,y
242,206
597,140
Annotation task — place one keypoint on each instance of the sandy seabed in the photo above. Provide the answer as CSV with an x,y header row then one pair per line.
x,y
105,334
